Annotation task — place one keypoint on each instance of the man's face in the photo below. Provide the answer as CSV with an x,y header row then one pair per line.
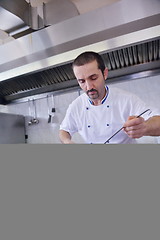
x,y
91,80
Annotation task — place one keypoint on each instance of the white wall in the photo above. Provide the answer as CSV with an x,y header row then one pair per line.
x,y
148,89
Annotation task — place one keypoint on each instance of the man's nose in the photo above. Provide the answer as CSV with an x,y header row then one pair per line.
x,y
89,85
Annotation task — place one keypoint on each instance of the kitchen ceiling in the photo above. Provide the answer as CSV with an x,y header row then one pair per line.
x,y
36,55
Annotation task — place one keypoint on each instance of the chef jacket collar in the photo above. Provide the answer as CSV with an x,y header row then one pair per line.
x,y
105,97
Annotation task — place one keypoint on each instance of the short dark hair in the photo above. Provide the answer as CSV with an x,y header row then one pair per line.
x,y
87,57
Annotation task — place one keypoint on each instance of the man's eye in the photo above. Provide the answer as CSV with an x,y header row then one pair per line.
x,y
94,77
81,81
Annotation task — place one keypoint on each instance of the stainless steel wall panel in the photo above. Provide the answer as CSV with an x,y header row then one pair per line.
x,y
12,128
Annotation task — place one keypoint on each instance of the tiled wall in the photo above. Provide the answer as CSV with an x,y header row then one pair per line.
x,y
148,89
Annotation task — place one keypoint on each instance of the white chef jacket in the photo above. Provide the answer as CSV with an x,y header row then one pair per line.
x,y
98,123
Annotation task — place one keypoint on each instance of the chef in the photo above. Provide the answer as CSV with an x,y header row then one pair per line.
x,y
100,111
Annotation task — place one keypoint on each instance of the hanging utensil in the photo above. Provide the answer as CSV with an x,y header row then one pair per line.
x,y
53,110
49,115
35,119
29,111
32,112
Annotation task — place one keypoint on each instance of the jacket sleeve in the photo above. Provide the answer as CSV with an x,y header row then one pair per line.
x,y
69,122
139,106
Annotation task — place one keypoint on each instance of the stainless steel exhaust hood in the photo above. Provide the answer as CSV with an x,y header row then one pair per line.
x,y
126,34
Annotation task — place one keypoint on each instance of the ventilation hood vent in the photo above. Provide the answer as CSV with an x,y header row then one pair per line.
x,y
41,61
122,63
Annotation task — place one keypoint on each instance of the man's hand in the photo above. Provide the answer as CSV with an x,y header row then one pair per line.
x,y
135,127
65,137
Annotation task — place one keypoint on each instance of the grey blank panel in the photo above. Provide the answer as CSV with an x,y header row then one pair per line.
x,y
12,128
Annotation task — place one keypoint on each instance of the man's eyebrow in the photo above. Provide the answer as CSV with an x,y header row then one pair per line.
x,y
92,75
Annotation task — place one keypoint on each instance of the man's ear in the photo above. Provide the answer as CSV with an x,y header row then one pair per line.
x,y
105,73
